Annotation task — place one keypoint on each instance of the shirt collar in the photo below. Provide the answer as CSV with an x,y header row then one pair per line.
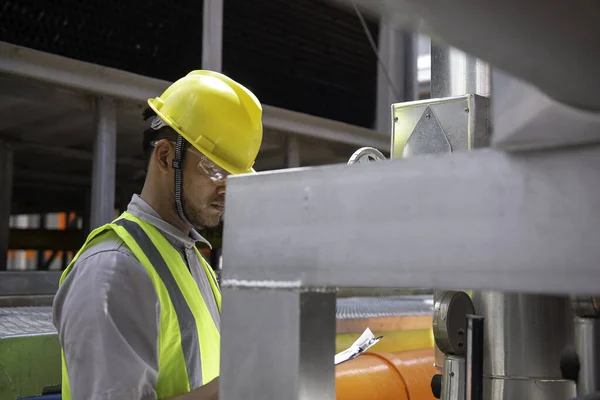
x,y
142,210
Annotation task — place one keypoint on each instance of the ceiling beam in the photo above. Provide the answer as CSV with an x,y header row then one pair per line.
x,y
86,78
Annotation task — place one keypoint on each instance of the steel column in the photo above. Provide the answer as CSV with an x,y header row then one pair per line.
x,y
287,347
292,152
397,73
6,185
212,35
104,163
587,340
455,73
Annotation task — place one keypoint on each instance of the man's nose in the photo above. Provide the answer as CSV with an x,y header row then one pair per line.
x,y
221,190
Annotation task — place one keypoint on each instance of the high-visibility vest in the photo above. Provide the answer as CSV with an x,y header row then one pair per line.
x,y
188,339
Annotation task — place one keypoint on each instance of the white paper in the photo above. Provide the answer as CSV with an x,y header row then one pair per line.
x,y
366,340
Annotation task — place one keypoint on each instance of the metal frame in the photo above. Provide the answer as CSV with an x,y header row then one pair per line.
x,y
6,184
511,222
212,35
104,163
87,78
523,222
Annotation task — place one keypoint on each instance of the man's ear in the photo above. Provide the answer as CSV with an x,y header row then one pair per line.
x,y
163,154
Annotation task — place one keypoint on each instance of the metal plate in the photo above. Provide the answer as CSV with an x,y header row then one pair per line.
x,y
460,123
20,321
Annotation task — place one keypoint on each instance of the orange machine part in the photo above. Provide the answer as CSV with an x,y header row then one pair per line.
x,y
404,375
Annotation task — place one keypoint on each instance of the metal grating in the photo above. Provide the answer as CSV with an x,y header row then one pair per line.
x,y
388,306
156,38
19,321
303,55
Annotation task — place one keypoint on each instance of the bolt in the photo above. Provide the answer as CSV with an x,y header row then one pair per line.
x,y
451,374
427,116
395,119
467,110
461,332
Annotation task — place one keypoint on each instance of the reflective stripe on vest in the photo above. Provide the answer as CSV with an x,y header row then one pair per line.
x,y
187,323
188,347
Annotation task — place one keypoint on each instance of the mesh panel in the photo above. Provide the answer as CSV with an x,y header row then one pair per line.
x,y
304,55
152,37
389,306
25,321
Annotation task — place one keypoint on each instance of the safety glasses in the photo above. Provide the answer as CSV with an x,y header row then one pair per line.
x,y
215,173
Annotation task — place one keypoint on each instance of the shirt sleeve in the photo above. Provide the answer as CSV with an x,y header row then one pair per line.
x,y
107,313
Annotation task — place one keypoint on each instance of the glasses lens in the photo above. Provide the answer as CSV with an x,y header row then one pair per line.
x,y
212,170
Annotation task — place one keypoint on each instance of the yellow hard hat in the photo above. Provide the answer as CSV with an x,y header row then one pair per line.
x,y
218,116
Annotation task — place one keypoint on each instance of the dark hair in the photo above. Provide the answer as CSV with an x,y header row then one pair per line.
x,y
150,135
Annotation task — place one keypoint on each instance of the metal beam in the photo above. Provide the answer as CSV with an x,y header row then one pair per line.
x,y
104,163
525,118
301,124
292,152
397,73
536,33
6,188
90,78
74,154
212,35
29,283
300,325
522,222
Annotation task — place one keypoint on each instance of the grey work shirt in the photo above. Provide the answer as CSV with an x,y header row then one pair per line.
x,y
107,314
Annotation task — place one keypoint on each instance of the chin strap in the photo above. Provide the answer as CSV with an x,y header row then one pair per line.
x,y
178,167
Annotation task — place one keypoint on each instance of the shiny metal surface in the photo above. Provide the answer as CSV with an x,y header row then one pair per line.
x,y
440,126
453,378
428,137
524,337
450,321
526,118
454,73
550,44
587,340
104,163
366,154
529,221
287,347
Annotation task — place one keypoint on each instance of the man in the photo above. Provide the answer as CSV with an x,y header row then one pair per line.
x,y
138,309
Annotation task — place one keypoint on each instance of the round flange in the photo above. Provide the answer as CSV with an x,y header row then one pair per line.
x,y
366,154
450,321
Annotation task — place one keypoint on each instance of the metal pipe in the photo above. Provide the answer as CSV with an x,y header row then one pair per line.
x,y
212,35
104,163
397,71
455,73
524,337
6,182
385,376
587,339
453,378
